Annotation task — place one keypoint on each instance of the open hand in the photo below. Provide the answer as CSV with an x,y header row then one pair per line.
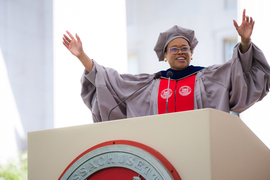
x,y
246,28
73,45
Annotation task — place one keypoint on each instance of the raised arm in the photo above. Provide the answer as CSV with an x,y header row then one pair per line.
x,y
75,47
245,31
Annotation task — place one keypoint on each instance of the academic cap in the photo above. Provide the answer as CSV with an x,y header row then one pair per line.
x,y
172,33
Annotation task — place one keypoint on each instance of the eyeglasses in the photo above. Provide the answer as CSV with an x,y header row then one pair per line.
x,y
175,50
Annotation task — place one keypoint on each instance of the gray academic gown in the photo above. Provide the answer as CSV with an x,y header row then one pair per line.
x,y
233,86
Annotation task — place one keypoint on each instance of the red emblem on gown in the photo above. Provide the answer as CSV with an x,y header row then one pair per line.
x,y
184,90
165,92
181,95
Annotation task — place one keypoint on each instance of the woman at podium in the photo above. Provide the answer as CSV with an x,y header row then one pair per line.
x,y
233,86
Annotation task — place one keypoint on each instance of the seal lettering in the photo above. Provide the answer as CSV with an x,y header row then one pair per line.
x,y
130,161
119,158
92,166
101,161
147,169
139,165
76,177
123,156
83,171
110,158
155,176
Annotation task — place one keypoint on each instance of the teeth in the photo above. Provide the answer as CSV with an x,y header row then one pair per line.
x,y
181,58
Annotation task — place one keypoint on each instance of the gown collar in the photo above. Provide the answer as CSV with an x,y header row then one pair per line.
x,y
182,73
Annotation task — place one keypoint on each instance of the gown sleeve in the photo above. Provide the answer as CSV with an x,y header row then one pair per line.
x,y
255,82
237,84
103,88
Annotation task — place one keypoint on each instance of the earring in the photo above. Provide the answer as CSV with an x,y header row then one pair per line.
x,y
191,58
165,59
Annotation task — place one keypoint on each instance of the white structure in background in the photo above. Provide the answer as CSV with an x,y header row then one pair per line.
x,y
101,26
26,72
11,130
41,79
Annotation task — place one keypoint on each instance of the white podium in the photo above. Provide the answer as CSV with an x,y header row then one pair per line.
x,y
203,144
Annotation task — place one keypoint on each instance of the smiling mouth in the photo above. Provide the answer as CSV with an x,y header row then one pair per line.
x,y
181,59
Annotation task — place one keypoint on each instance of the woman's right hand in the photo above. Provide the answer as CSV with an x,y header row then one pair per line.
x,y
73,45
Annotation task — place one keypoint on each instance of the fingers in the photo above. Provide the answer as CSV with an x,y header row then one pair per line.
x,y
78,38
252,25
65,41
244,15
247,18
70,35
251,20
68,41
66,45
235,24
66,38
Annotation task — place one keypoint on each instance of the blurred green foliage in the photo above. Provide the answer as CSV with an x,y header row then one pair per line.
x,y
15,169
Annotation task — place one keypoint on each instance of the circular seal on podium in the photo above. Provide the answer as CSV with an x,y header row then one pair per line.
x,y
120,159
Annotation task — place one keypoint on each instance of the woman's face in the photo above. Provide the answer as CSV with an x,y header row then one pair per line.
x,y
178,60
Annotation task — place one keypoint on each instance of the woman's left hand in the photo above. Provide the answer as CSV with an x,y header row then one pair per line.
x,y
246,28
